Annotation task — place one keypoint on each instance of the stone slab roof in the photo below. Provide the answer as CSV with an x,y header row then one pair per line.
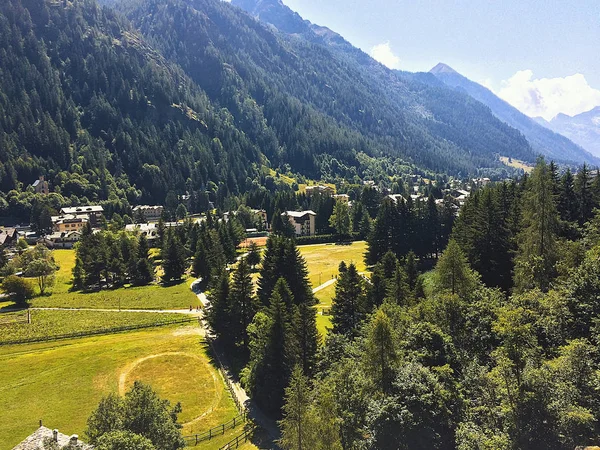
x,y
36,440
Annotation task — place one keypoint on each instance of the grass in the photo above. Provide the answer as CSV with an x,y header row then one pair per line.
x,y
154,296
178,296
62,382
323,324
516,164
323,259
54,323
325,296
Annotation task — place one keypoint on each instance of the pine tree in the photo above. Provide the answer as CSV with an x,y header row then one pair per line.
x,y
296,430
584,194
348,306
381,238
452,272
218,311
173,258
380,351
340,219
306,336
535,263
144,273
253,255
242,305
398,289
411,269
271,366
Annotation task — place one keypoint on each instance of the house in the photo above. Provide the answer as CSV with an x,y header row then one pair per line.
x,y
150,213
66,239
150,230
302,221
38,439
344,198
319,189
94,213
8,237
41,186
262,214
69,222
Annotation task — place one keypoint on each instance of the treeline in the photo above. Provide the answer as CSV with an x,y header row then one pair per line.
x,y
108,259
269,331
446,359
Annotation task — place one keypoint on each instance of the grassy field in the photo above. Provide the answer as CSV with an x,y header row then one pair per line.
x,y
54,323
325,296
323,324
62,382
323,259
154,296
516,164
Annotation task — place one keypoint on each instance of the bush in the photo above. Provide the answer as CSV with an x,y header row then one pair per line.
x,y
18,288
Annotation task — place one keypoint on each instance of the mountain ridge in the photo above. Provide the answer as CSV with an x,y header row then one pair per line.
x,y
543,140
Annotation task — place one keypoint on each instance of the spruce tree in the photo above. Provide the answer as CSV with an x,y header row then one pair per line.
x,y
242,304
380,351
304,324
219,314
584,194
296,430
348,306
144,271
535,263
173,257
253,255
398,289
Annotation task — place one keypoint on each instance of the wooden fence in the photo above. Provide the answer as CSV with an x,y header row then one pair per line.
x,y
11,318
219,430
239,439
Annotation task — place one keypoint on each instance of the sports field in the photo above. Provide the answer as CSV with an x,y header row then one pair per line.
x,y
62,382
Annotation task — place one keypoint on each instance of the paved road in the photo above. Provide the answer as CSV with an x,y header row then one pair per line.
x,y
324,285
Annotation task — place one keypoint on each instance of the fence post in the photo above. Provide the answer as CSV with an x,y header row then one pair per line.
x,y
234,422
28,316
210,434
223,429
196,439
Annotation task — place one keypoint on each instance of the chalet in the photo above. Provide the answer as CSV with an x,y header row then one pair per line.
x,y
94,212
344,198
150,213
8,237
262,214
41,186
66,239
319,189
149,230
40,439
69,222
302,221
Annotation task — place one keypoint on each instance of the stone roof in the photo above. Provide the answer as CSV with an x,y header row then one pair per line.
x,y
82,209
299,213
36,440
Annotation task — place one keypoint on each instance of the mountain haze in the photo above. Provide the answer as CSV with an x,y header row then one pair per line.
x,y
552,145
584,128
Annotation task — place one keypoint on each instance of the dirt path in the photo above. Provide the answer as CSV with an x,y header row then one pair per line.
x,y
193,312
324,285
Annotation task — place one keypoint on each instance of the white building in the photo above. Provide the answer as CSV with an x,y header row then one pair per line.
x,y
302,221
150,213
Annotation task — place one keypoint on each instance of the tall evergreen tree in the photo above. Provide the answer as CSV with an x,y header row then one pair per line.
x,y
296,430
348,306
535,263
173,257
452,272
241,304
144,272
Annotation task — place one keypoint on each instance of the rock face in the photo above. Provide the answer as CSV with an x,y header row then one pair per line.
x,y
544,138
583,129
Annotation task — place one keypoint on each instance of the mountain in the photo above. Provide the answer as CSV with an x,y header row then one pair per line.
x,y
584,129
544,141
143,100
240,61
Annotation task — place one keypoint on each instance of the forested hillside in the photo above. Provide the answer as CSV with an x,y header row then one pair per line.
x,y
86,102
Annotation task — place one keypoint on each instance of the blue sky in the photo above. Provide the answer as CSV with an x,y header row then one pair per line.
x,y
542,56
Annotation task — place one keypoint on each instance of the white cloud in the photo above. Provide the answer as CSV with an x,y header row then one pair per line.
x,y
383,53
547,97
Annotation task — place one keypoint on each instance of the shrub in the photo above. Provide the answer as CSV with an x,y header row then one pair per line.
x,y
18,288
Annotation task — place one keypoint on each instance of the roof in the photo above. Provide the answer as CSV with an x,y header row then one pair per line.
x,y
64,234
35,441
145,207
299,213
36,182
82,209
